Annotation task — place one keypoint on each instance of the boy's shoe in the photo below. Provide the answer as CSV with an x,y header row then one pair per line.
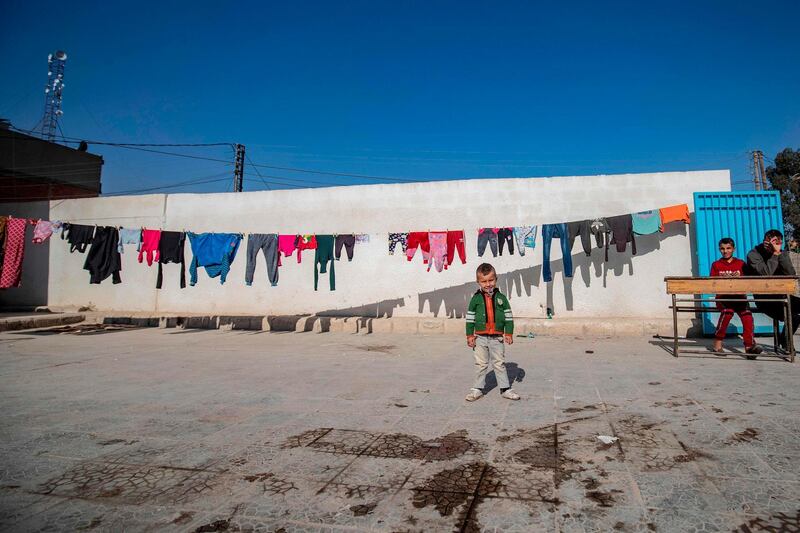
x,y
474,394
510,395
753,351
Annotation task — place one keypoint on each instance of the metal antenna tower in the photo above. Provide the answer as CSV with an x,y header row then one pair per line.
x,y
52,94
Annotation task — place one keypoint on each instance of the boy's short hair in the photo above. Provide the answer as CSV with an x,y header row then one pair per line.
x,y
484,269
726,240
771,234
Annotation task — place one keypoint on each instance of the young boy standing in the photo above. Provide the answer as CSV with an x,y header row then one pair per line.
x,y
729,266
489,325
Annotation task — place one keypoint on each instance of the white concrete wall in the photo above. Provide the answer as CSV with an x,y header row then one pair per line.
x,y
376,284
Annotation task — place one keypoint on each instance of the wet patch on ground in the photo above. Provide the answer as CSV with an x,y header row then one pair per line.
x,y
386,445
748,435
777,523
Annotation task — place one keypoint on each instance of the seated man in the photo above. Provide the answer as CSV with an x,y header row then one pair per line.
x,y
767,259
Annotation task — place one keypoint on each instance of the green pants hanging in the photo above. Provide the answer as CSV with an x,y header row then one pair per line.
x,y
323,254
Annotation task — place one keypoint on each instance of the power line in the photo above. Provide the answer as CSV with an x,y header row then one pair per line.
x,y
259,173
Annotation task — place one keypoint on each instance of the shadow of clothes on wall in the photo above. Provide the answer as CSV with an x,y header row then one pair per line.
x,y
455,299
382,309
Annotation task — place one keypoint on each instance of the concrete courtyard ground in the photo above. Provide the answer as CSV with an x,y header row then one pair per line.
x,y
196,430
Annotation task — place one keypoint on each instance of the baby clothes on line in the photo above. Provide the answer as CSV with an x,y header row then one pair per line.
x,y
78,236
621,233
418,239
549,232
305,242
171,250
348,241
646,222
267,243
438,245
395,239
487,235
42,230
149,246
506,236
215,252
323,254
362,238
103,259
674,213
455,242
584,229
525,237
130,236
14,251
286,246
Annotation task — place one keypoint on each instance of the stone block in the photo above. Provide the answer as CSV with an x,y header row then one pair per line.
x,y
381,325
405,324
454,326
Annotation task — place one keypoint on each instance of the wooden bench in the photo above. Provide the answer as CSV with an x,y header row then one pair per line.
x,y
706,290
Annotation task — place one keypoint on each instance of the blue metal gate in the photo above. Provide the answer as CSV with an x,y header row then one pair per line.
x,y
742,216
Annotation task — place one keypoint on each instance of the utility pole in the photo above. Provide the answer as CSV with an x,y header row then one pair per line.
x,y
759,174
238,169
762,171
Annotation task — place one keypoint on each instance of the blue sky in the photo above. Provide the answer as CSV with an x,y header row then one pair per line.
x,y
411,90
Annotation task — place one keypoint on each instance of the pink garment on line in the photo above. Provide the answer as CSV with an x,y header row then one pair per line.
x,y
286,246
42,230
150,240
438,244
11,274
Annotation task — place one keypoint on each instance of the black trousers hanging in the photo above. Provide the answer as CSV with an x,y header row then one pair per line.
x,y
103,259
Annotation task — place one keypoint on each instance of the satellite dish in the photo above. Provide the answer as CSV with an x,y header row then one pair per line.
x,y
62,55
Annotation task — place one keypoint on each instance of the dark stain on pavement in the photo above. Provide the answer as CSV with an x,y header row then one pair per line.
x,y
363,509
748,435
778,523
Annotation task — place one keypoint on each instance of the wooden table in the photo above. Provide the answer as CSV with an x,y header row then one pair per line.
x,y
712,290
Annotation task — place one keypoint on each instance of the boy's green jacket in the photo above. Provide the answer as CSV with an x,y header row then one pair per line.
x,y
479,320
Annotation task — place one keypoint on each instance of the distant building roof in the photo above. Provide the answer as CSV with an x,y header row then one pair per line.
x,y
35,169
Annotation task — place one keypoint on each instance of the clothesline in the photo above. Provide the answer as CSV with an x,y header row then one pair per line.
x,y
217,251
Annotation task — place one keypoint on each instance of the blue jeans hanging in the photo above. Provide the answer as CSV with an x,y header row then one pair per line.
x,y
548,232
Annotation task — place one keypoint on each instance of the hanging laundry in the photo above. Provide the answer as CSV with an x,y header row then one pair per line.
x,y
506,236
601,231
455,242
395,239
584,229
58,226
103,259
215,252
286,246
362,238
3,221
14,251
322,255
79,236
171,248
266,243
646,222
149,246
438,245
130,236
487,235
348,241
523,235
549,232
305,242
621,233
42,230
418,239
674,213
